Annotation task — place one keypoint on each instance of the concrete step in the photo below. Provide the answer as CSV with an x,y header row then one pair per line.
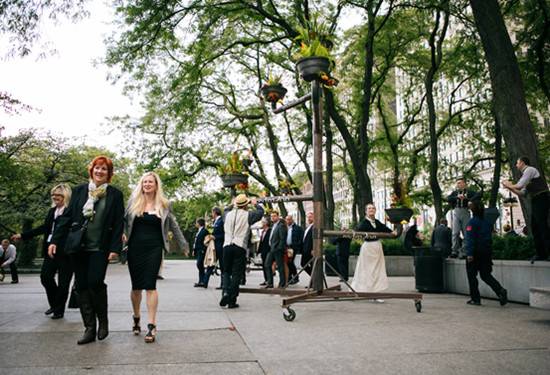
x,y
539,297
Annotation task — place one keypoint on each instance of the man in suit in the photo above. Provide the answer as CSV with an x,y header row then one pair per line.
x,y
307,243
343,245
8,253
294,243
219,236
458,200
277,244
199,250
442,238
263,247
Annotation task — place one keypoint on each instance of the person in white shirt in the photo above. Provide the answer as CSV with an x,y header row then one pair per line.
x,y
8,253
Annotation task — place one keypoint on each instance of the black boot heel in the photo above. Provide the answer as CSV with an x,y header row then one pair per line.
x,y
150,336
136,328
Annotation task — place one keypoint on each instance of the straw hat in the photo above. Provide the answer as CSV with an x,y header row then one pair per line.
x,y
242,200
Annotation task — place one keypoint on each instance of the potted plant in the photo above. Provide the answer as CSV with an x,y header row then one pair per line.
x,y
232,173
313,56
285,186
272,90
400,208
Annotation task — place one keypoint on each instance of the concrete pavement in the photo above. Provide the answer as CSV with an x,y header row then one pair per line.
x,y
196,336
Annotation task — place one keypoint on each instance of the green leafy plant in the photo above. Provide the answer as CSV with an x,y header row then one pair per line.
x,y
314,40
234,165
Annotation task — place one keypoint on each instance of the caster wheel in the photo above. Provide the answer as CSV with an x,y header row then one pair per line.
x,y
289,315
418,306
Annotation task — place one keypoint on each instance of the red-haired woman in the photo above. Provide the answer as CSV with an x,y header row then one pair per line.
x,y
101,206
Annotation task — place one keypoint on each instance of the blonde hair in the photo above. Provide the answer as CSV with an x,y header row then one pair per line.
x,y
136,205
65,190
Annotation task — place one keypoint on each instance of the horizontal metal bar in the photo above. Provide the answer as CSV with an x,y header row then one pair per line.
x,y
285,198
276,291
324,296
356,234
292,104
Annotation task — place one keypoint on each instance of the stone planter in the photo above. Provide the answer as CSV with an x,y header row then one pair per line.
x,y
273,93
517,276
232,179
310,68
397,215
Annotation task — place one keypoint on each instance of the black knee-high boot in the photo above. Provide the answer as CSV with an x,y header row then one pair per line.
x,y
100,307
88,317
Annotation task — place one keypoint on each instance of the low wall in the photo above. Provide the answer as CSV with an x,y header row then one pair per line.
x,y
395,265
517,276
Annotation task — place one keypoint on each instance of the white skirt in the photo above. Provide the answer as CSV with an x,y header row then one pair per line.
x,y
370,271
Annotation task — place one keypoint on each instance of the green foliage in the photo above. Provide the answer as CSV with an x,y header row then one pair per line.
x,y
513,248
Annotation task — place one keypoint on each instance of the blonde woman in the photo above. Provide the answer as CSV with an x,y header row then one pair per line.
x,y
148,221
60,263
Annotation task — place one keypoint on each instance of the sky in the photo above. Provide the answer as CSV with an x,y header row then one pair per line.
x,y
72,96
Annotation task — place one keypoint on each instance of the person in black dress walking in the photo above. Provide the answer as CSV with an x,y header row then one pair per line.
x,y
148,220
60,263
101,206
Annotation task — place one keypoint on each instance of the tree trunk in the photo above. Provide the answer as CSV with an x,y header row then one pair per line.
x,y
495,184
26,252
507,86
436,58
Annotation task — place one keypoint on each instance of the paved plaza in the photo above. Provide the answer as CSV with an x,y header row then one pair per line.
x,y
196,336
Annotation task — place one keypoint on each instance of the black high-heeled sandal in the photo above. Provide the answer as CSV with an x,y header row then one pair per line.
x,y
150,336
136,328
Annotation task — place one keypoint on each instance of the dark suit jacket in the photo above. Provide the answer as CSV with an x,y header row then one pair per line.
x,y
471,195
366,226
442,238
342,246
297,238
263,247
198,246
113,224
45,229
278,238
219,234
308,243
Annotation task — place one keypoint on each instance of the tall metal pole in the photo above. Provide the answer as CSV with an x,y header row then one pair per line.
x,y
317,276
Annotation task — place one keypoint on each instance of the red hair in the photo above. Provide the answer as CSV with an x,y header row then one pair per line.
x,y
102,160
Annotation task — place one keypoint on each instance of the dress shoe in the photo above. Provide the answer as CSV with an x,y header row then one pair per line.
x,y
198,285
15,281
233,305
224,301
159,277
263,284
268,286
474,303
57,316
49,311
503,297
219,288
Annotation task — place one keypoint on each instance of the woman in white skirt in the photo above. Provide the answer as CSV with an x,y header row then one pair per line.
x,y
370,271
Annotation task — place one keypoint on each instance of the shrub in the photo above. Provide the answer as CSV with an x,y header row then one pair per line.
x,y
513,248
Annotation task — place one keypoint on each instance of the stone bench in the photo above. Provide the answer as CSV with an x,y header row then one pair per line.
x,y
539,297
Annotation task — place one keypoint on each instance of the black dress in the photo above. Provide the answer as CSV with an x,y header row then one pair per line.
x,y
145,252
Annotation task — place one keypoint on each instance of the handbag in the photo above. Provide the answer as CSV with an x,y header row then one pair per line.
x,y
73,299
74,242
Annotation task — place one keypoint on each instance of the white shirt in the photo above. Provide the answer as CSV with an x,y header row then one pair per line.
x,y
9,256
307,230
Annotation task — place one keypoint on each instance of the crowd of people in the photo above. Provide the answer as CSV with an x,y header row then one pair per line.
x,y
87,226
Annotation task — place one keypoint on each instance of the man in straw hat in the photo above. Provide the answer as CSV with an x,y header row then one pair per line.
x,y
237,232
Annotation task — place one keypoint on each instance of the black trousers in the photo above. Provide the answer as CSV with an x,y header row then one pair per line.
x,y
482,263
57,292
306,258
13,271
276,256
292,271
90,268
219,255
234,263
540,205
343,265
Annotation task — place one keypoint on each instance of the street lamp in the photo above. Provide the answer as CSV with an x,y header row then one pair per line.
x,y
510,202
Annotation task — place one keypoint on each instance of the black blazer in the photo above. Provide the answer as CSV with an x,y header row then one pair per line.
x,y
199,246
470,195
308,243
113,225
366,226
278,239
263,247
297,238
45,229
219,234
442,237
